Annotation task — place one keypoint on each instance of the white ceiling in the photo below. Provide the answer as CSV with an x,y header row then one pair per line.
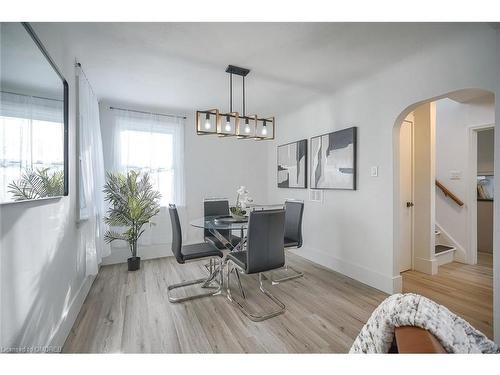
x,y
181,65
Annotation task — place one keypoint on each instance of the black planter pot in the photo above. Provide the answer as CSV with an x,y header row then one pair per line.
x,y
134,263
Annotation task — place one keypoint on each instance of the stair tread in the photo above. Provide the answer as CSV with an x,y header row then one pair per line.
x,y
442,248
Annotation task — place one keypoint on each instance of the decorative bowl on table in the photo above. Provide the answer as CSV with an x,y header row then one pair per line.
x,y
238,213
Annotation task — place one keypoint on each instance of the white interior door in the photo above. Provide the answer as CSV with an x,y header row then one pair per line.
x,y
406,196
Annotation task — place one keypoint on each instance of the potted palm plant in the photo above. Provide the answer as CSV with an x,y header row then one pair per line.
x,y
133,203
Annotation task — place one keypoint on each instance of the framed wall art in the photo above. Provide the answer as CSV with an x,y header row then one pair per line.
x,y
333,160
292,165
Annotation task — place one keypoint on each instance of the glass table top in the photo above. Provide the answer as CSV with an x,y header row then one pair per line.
x,y
219,222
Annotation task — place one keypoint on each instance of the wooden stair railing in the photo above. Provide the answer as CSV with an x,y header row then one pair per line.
x,y
449,194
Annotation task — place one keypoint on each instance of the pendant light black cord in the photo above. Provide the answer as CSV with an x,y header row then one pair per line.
x,y
231,92
244,115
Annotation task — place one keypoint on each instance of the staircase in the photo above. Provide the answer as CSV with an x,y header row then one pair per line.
x,y
444,249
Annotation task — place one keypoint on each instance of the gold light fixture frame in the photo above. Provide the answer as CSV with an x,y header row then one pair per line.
x,y
239,122
221,121
199,121
252,122
270,124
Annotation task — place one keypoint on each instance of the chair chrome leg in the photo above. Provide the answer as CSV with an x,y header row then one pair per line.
x,y
294,274
239,283
254,316
205,284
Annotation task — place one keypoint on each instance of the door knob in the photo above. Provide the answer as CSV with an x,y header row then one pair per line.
x,y
409,204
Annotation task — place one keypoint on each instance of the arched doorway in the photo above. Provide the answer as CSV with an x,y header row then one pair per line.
x,y
447,193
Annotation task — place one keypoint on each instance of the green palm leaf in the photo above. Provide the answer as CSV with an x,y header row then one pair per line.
x,y
133,203
39,183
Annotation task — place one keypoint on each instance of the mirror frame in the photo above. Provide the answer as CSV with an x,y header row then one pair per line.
x,y
44,52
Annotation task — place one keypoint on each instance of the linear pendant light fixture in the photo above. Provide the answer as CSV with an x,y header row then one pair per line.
x,y
231,123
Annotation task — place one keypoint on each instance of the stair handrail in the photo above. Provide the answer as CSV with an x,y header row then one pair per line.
x,y
448,193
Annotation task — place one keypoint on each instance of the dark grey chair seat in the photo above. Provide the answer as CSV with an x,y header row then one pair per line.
x,y
194,252
239,258
291,243
265,252
200,250
293,237
212,240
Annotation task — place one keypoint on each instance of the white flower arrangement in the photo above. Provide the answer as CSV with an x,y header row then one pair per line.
x,y
243,200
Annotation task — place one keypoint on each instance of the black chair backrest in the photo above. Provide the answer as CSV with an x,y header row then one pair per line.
x,y
265,237
293,221
176,233
216,207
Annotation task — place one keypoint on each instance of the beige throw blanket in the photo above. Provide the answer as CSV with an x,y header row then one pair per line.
x,y
454,333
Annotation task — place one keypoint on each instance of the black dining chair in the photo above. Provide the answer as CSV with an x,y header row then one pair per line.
x,y
294,210
264,252
219,207
190,253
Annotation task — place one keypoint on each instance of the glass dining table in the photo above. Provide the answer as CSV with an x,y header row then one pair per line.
x,y
217,225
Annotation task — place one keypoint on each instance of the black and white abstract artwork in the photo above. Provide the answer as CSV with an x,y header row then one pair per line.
x,y
292,165
333,160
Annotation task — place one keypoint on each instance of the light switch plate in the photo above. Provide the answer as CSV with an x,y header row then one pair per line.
x,y
374,171
455,175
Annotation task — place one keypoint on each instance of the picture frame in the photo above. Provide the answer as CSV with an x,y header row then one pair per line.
x,y
334,161
292,165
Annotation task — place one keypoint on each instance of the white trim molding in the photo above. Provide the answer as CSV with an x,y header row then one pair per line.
x,y
471,201
374,279
63,329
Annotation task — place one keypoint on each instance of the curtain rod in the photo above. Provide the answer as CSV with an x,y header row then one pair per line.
x,y
148,113
30,96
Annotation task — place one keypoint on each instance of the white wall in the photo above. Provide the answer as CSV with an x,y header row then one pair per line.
x,y
214,167
452,142
42,275
354,231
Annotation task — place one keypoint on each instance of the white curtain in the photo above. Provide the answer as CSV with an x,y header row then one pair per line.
x,y
152,144
31,137
92,179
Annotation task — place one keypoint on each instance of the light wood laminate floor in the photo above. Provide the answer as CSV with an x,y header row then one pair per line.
x,y
130,312
464,289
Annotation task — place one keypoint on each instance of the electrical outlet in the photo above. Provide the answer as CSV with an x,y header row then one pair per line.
x,y
374,171
316,195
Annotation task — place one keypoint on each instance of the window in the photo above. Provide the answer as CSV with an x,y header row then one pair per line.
x,y
152,144
150,152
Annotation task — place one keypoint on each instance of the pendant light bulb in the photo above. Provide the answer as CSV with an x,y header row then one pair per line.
x,y
208,125
264,128
228,124
247,127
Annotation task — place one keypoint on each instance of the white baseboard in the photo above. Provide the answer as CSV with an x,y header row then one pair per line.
x,y
397,284
428,266
120,254
66,322
374,279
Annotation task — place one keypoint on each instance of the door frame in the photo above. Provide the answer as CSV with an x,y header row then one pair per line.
x,y
471,251
412,125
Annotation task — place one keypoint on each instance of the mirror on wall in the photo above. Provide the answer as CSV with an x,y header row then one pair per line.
x,y
33,119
